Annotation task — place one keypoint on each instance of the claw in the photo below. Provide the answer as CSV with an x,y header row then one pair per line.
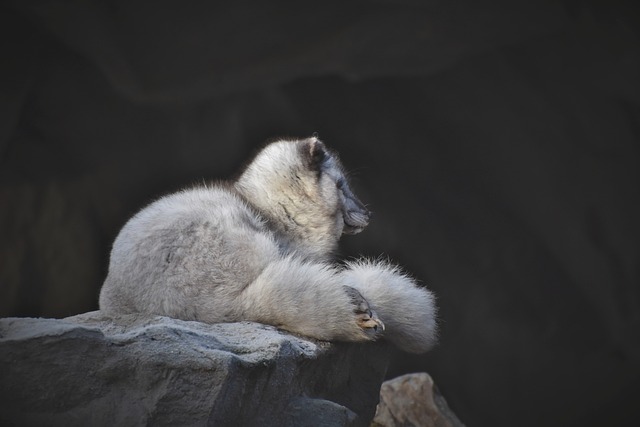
x,y
370,320
366,318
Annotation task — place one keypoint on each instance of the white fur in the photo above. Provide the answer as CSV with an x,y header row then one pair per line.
x,y
260,250
408,312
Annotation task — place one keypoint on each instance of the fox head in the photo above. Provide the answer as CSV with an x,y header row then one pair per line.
x,y
301,187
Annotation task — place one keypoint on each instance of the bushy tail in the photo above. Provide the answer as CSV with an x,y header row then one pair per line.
x,y
407,310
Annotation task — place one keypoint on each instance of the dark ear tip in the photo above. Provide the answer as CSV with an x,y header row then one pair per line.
x,y
317,151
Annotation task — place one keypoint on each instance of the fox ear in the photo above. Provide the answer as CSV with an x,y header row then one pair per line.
x,y
315,153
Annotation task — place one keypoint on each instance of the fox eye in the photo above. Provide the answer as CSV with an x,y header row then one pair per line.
x,y
340,183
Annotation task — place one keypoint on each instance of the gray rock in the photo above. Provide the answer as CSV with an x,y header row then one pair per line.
x,y
413,400
95,370
306,412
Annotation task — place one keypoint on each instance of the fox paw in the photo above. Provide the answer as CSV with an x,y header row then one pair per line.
x,y
366,319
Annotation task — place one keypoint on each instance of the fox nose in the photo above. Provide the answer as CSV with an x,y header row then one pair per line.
x,y
363,213
355,220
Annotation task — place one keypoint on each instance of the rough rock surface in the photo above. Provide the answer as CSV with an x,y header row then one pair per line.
x,y
95,370
413,400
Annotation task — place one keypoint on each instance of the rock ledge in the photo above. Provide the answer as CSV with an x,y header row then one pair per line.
x,y
92,369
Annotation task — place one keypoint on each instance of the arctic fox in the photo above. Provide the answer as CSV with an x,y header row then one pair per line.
x,y
260,249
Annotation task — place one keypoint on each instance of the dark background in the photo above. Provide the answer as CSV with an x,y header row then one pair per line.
x,y
497,142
